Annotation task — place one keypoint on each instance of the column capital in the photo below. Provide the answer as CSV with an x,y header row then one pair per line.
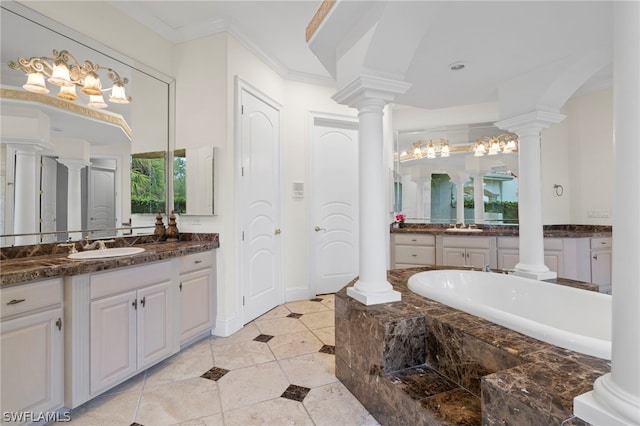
x,y
367,88
531,122
73,164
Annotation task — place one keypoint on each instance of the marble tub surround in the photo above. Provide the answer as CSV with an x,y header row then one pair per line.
x,y
27,263
558,231
420,362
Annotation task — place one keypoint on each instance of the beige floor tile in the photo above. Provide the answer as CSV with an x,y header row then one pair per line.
x,y
305,306
311,371
107,410
326,335
333,404
189,363
215,420
245,334
280,311
246,386
178,402
134,384
294,344
321,319
240,355
328,300
277,326
274,412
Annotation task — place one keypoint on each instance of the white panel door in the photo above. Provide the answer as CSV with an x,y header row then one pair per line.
x,y
154,324
334,211
102,201
261,258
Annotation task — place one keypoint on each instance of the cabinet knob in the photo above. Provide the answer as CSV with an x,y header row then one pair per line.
x,y
595,257
59,323
198,261
414,255
16,301
135,304
143,301
180,286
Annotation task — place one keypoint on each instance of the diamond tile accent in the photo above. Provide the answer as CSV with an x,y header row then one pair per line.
x,y
264,338
215,374
135,424
294,315
316,299
328,349
295,393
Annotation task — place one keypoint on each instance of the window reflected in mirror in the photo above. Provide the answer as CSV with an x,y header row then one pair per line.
x,y
148,182
180,181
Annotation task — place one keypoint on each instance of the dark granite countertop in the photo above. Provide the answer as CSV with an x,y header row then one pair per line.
x,y
27,263
549,231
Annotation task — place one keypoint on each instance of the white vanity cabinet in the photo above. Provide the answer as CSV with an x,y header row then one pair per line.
x,y
197,309
120,322
411,250
32,347
476,252
600,254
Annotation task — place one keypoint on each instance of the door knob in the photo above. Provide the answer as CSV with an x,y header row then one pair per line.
x,y
318,229
278,232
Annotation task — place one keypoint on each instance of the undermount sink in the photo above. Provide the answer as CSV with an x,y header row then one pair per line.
x,y
108,252
463,230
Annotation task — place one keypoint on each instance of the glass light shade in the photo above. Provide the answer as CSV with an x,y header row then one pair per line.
x,y
479,150
444,150
92,85
118,94
68,93
96,101
60,75
494,148
509,146
417,152
431,151
35,83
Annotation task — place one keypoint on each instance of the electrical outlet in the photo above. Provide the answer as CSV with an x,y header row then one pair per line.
x,y
597,213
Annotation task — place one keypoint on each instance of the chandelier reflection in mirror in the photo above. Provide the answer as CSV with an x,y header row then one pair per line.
x,y
486,145
65,71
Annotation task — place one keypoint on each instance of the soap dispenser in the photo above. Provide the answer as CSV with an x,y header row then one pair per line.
x,y
172,229
160,230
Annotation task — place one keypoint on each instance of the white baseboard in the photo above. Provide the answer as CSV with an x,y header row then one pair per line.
x,y
225,327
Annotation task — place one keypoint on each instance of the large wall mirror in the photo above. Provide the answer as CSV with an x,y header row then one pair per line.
x,y
118,157
441,172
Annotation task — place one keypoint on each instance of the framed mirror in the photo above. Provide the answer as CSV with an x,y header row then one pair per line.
x,y
73,170
438,168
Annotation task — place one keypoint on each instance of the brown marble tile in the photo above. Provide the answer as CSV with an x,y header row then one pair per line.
x,y
456,408
295,393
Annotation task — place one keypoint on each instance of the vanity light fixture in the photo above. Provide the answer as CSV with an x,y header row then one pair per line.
x,y
505,143
65,71
423,148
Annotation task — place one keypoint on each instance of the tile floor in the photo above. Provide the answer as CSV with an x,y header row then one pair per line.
x,y
277,370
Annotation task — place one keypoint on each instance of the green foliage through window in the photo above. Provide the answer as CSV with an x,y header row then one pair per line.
x,y
148,183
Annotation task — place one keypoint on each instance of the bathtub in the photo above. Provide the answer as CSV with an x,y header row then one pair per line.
x,y
571,318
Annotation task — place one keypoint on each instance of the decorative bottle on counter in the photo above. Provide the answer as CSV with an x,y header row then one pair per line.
x,y
160,229
172,229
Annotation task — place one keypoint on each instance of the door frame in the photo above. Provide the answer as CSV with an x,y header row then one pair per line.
x,y
242,85
328,119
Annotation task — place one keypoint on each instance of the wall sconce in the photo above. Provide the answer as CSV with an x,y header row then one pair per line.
x,y
65,71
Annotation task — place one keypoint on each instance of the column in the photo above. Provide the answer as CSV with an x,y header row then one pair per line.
x,y
26,193
426,198
528,127
478,198
369,95
459,179
615,398
74,196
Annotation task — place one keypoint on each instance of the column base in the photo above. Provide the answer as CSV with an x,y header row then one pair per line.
x,y
367,298
607,404
534,272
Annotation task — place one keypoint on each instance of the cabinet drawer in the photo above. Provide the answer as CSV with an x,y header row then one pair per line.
x,y
415,255
600,242
508,243
415,239
31,296
196,261
467,242
127,279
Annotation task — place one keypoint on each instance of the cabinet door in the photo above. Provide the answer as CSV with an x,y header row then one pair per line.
x,y
195,304
155,320
32,363
478,258
553,260
113,340
454,256
508,259
601,267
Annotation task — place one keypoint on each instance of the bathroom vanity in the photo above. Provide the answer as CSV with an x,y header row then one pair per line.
x,y
72,329
576,252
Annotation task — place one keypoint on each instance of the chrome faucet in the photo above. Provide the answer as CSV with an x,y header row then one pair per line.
x,y
71,245
97,243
